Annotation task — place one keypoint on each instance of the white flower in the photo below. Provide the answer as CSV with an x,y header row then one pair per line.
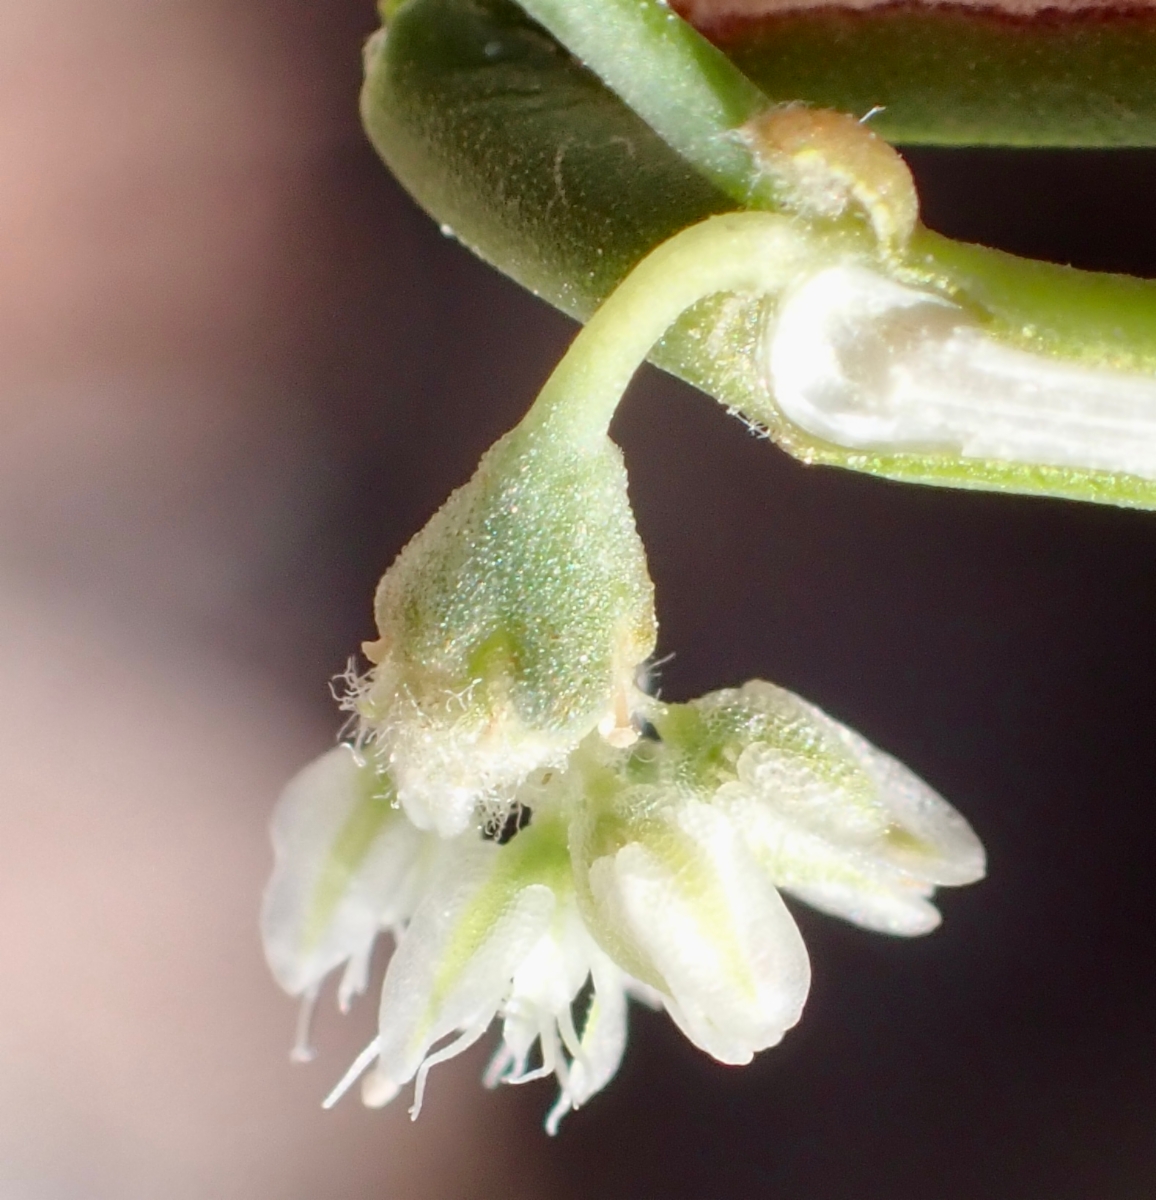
x,y
651,871
680,845
830,818
511,626
347,865
539,1008
485,931
499,935
673,894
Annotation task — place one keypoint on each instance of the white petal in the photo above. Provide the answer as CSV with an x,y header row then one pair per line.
x,y
454,965
603,1033
713,928
554,970
928,837
541,993
851,883
917,829
345,863
832,819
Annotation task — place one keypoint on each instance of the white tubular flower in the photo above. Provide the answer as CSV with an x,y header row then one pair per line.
x,y
673,894
512,626
831,819
498,935
347,865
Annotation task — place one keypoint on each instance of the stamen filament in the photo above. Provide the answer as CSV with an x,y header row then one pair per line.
x,y
303,1051
357,1069
464,1042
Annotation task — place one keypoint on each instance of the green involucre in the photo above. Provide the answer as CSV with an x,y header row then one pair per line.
x,y
526,594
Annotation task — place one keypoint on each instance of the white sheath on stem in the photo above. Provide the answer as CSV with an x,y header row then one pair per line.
x,y
864,362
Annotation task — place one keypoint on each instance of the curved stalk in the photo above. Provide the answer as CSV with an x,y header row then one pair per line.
x,y
756,253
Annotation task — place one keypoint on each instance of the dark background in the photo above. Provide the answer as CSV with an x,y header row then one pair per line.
x,y
242,368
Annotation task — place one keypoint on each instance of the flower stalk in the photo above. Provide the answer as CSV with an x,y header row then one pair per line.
x,y
753,254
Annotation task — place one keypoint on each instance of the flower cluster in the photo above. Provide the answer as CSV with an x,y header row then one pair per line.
x,y
542,838
651,871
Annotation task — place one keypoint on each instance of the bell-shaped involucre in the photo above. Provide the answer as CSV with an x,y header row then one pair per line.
x,y
830,818
498,935
511,626
347,865
676,898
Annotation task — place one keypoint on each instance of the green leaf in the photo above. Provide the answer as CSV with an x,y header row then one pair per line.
x,y
957,76
503,137
683,88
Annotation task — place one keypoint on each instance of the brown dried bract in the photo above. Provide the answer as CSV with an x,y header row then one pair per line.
x,y
826,162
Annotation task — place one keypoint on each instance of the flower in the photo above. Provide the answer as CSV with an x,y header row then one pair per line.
x,y
673,894
347,864
680,845
499,935
652,871
830,818
511,626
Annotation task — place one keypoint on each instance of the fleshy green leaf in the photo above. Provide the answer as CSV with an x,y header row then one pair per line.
x,y
503,137
952,75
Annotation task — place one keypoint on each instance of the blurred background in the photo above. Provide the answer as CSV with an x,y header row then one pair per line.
x,y
239,369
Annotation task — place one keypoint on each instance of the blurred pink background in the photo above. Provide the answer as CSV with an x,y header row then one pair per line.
x,y
165,246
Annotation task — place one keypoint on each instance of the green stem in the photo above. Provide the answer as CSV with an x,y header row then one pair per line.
x,y
684,88
747,252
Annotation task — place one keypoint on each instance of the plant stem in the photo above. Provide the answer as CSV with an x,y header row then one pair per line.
x,y
745,252
684,88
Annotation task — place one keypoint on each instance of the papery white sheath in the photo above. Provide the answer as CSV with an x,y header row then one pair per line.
x,y
862,361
